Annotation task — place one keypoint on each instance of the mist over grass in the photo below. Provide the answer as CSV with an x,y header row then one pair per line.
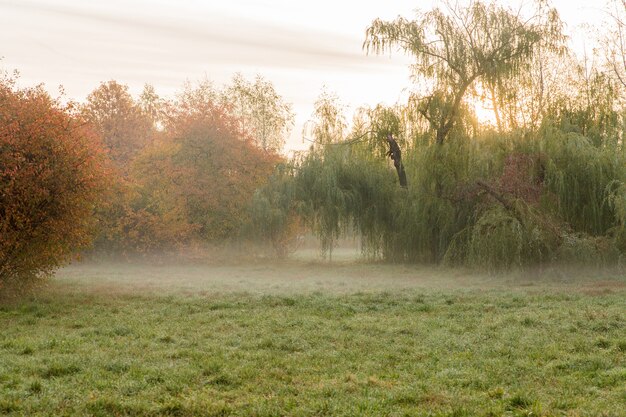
x,y
306,274
305,337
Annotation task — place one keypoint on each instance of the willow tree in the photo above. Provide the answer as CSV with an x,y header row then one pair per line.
x,y
456,47
328,124
614,41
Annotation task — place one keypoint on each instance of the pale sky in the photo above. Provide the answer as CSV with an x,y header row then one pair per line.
x,y
298,45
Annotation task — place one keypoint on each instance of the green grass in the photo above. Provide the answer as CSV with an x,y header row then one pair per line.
x,y
472,346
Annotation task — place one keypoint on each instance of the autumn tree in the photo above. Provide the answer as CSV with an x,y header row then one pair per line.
x,y
125,126
203,174
261,111
121,122
194,178
152,105
197,98
456,47
52,174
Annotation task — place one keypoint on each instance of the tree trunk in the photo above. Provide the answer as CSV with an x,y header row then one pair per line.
x,y
396,155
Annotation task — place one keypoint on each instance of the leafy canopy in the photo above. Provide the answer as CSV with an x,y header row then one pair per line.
x,y
456,46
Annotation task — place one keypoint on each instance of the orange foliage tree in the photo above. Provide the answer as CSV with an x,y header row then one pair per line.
x,y
52,173
124,126
202,176
189,181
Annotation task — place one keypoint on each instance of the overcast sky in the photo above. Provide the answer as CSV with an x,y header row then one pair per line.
x,y
298,45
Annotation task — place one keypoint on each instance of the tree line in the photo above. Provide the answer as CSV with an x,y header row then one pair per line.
x,y
118,175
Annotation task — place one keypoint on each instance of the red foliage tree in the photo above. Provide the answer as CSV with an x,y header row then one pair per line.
x,y
52,174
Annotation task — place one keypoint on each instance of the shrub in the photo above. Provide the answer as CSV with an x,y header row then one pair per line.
x,y
51,176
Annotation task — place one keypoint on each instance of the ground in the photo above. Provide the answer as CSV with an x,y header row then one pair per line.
x,y
304,338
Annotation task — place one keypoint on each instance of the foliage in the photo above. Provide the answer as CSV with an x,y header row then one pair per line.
x,y
457,47
583,177
126,126
342,188
203,174
131,223
52,174
582,249
152,105
194,179
544,183
497,202
616,192
274,216
121,122
614,43
329,122
591,109
261,111
547,182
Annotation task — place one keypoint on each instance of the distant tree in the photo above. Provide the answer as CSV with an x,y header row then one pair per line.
x,y
274,217
52,174
458,46
523,100
121,122
329,122
199,97
152,105
614,42
125,126
592,106
201,177
192,182
261,111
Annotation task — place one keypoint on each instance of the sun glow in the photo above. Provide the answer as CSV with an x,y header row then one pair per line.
x,y
483,110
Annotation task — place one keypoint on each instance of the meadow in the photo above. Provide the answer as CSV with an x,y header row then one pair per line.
x,y
305,338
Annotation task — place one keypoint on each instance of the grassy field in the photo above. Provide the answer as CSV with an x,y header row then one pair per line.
x,y
310,339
